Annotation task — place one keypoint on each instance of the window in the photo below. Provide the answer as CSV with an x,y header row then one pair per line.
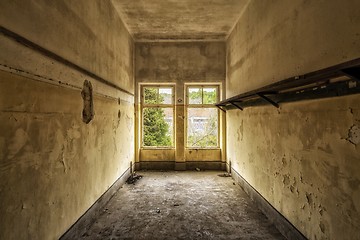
x,y
202,117
157,105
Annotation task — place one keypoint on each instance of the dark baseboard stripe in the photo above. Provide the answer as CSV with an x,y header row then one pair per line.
x,y
89,217
171,165
205,165
281,223
156,165
180,166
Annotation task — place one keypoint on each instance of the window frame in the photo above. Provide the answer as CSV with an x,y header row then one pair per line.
x,y
188,105
158,105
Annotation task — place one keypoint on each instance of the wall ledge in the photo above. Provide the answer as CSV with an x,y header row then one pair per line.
x,y
180,166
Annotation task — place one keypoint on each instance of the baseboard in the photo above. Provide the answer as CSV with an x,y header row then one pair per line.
x,y
180,166
89,217
280,222
137,166
202,165
156,165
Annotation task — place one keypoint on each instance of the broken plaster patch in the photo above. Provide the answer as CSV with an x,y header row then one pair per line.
x,y
354,135
87,95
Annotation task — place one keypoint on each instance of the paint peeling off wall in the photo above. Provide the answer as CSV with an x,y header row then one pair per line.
x,y
303,158
301,161
53,163
87,96
53,166
354,135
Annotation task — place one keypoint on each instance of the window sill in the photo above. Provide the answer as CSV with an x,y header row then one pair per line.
x,y
157,148
209,148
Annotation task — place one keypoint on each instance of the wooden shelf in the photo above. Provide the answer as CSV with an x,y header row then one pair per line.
x,y
339,80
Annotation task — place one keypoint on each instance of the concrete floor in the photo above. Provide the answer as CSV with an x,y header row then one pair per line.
x,y
182,205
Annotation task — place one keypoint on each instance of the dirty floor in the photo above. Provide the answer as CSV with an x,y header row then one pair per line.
x,y
182,205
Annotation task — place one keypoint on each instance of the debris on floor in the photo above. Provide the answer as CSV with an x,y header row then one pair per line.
x,y
225,175
210,208
197,169
106,210
133,178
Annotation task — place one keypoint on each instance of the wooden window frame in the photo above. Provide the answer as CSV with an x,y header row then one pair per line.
x,y
188,105
147,105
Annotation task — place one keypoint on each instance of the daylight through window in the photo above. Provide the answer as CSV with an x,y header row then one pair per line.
x,y
202,117
157,116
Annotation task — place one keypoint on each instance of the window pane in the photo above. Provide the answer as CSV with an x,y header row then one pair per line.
x,y
158,127
209,95
165,95
202,127
150,95
195,95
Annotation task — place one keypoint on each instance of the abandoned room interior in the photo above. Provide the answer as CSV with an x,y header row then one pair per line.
x,y
264,93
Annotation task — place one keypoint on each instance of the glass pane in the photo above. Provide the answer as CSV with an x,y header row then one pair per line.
x,y
151,95
194,95
209,95
165,96
202,127
158,127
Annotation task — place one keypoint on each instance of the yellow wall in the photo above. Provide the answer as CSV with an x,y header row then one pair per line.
x,y
298,157
53,166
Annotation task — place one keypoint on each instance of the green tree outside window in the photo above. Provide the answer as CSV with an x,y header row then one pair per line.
x,y
156,131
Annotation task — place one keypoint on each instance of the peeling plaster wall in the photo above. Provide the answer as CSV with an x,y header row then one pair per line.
x,y
179,63
303,158
300,159
54,166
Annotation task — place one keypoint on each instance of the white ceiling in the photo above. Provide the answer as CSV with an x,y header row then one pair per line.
x,y
179,19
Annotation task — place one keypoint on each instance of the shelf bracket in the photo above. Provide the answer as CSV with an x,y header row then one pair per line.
x,y
235,105
353,72
219,107
268,100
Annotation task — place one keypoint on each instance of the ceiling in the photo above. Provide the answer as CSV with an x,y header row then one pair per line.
x,y
149,20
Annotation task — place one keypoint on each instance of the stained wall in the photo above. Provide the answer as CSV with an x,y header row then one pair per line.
x,y
54,166
179,63
303,158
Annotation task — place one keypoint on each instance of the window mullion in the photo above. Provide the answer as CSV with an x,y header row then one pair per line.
x,y
202,95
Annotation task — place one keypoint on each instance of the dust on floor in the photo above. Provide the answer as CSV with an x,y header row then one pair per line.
x,y
182,205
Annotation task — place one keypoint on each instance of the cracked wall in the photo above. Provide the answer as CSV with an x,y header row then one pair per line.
x,y
300,160
303,158
54,166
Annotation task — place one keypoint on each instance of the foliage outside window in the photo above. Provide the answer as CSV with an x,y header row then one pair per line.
x,y
157,116
202,117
